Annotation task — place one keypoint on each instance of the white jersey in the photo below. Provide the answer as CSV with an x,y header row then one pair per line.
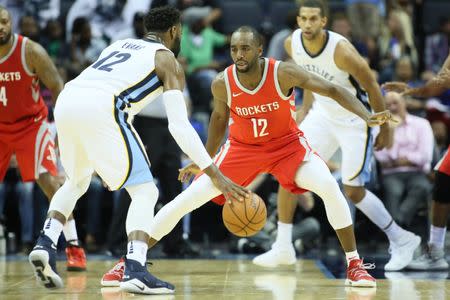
x,y
126,71
323,65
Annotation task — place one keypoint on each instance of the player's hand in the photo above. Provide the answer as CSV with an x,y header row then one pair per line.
x,y
230,190
188,172
380,118
384,138
395,86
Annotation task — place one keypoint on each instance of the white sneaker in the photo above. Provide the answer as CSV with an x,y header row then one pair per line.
x,y
432,260
402,255
284,255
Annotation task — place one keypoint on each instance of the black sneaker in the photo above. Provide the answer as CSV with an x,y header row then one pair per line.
x,y
43,261
136,279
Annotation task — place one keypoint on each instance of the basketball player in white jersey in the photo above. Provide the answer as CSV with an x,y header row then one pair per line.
x,y
93,119
328,127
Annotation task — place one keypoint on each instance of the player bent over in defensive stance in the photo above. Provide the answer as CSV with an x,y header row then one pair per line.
x,y
93,118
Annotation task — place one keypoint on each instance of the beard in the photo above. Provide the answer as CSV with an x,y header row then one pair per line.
x,y
5,39
176,46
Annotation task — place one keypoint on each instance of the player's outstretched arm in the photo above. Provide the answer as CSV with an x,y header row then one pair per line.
x,y
291,75
41,64
171,74
435,86
219,118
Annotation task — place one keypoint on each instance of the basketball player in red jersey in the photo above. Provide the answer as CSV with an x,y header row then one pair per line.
x,y
23,119
255,98
434,258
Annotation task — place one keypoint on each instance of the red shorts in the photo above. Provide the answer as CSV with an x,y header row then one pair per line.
x,y
34,148
443,165
243,162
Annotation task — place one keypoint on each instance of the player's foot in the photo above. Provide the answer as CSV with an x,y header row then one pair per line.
x,y
357,275
276,256
43,261
114,276
136,279
432,260
76,258
402,254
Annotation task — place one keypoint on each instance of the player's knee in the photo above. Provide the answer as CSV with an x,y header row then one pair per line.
x,y
354,193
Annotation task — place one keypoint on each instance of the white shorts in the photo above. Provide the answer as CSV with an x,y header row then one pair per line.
x,y
353,136
95,134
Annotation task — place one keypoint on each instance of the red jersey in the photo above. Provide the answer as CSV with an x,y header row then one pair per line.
x,y
263,114
21,103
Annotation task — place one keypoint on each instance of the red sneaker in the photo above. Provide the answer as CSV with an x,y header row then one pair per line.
x,y
114,276
358,276
76,258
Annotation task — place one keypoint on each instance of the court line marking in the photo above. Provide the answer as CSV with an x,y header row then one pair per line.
x,y
325,271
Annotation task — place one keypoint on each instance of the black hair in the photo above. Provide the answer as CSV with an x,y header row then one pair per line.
x,y
78,24
315,4
162,18
256,36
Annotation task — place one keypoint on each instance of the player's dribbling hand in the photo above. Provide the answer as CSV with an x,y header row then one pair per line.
x,y
230,190
380,118
188,172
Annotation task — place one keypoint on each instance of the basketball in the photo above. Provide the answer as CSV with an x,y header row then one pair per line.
x,y
245,218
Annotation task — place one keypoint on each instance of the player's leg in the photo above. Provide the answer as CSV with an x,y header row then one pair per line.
x,y
78,169
141,228
356,145
319,136
5,158
315,176
37,159
434,258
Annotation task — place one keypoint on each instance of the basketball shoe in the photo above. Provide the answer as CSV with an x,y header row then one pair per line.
x,y
114,276
402,254
76,258
43,261
432,260
278,255
357,275
137,279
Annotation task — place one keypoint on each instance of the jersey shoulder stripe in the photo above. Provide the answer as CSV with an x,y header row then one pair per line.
x,y
140,90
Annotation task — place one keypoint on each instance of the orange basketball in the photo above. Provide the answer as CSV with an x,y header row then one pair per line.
x,y
245,218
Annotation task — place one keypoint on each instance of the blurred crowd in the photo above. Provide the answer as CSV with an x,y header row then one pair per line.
x,y
403,40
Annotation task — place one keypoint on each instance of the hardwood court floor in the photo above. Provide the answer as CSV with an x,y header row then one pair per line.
x,y
220,279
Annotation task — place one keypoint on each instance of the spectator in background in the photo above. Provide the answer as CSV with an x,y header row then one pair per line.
x,y
29,27
341,24
197,55
135,32
84,48
440,132
53,41
405,166
437,47
365,18
276,45
397,41
107,17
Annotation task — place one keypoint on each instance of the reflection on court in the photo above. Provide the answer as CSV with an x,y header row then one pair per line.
x,y
229,279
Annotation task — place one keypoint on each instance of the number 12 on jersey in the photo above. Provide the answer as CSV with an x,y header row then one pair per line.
x,y
259,127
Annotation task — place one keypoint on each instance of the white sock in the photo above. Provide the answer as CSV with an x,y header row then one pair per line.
x,y
375,210
351,256
437,236
70,232
52,229
284,234
137,250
